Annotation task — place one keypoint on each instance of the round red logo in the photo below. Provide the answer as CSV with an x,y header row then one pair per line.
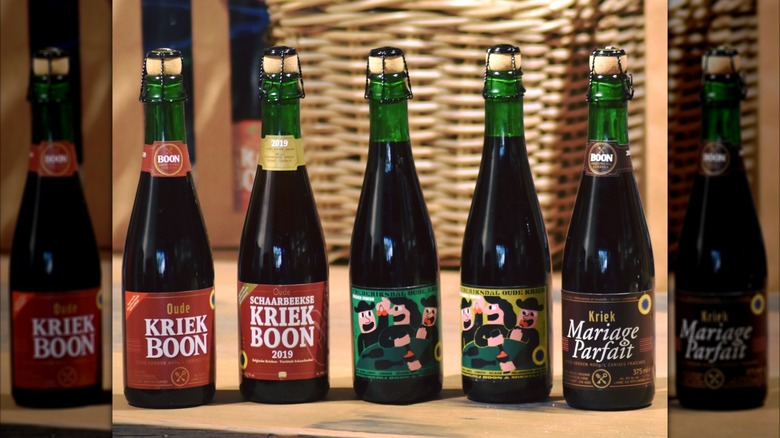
x,y
168,159
56,159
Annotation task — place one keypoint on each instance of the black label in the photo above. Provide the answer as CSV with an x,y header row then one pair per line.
x,y
721,341
608,340
606,158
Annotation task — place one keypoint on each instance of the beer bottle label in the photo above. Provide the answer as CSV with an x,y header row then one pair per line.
x,y
32,164
56,159
504,332
608,339
721,339
606,158
246,138
281,152
166,159
283,330
718,158
56,341
169,339
396,332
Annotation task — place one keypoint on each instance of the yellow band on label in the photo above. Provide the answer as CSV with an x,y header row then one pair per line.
x,y
281,152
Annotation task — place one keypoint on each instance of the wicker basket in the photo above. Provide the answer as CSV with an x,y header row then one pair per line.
x,y
445,43
694,27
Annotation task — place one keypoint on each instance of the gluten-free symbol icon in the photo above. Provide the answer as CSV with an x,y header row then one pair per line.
x,y
67,376
180,376
714,378
601,378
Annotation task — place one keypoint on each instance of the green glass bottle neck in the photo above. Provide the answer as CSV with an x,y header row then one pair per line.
x,y
388,108
503,105
281,105
721,111
164,109
608,110
52,112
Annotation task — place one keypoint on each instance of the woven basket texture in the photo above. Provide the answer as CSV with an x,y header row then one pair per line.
x,y
445,43
694,27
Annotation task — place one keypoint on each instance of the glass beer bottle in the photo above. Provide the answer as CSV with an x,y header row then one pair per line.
x,y
282,261
720,276
167,271
505,261
393,265
56,348
608,276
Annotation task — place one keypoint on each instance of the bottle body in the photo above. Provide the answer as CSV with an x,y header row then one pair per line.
x,y
282,261
608,322
56,348
505,283
394,282
168,295
720,273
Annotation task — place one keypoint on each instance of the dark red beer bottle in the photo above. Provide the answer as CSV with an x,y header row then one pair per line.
x,y
56,354
393,265
282,261
608,276
505,262
720,276
167,271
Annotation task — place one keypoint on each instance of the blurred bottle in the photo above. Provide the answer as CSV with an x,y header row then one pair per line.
x,y
248,25
55,267
720,276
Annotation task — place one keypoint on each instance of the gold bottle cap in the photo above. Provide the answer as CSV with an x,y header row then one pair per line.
x,y
608,61
720,61
50,61
392,57
272,60
168,59
499,58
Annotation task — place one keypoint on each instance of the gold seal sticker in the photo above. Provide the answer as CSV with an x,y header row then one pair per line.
x,y
281,152
645,304
757,304
715,158
168,159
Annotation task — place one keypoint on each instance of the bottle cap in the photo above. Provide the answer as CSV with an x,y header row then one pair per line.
x,y
159,62
281,59
722,60
608,61
51,61
503,57
386,60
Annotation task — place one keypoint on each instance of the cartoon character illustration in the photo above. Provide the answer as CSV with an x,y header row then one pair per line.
x,y
499,315
372,321
471,320
526,332
406,316
428,330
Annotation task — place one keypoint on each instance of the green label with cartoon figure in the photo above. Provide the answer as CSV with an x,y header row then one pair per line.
x,y
396,332
504,332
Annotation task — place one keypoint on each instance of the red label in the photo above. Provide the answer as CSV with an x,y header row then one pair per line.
x,y
247,135
32,165
56,159
283,330
169,339
166,158
56,342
